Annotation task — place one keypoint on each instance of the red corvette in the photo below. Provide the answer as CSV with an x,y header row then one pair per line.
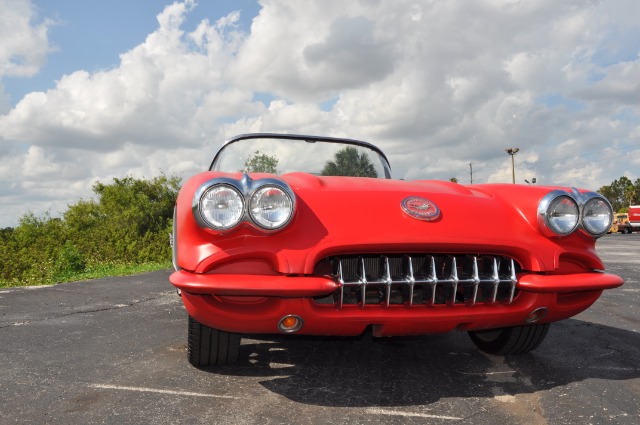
x,y
310,235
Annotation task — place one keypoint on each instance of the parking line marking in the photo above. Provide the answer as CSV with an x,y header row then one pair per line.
x,y
411,414
159,391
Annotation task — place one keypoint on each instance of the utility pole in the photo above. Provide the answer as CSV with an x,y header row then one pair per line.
x,y
512,152
471,171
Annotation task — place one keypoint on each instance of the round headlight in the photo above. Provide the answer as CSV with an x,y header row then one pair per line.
x,y
221,207
562,215
597,216
271,207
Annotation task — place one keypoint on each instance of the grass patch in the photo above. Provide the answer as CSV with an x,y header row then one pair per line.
x,y
91,272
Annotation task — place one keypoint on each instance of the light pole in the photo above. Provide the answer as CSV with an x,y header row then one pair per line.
x,y
512,152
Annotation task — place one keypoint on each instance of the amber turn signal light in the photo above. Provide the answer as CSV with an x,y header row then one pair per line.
x,y
290,323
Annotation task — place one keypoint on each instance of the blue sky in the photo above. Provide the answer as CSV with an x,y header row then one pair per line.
x,y
91,34
91,91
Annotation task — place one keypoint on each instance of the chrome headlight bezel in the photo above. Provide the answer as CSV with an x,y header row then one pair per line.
x,y
606,213
248,191
212,216
554,225
261,209
548,210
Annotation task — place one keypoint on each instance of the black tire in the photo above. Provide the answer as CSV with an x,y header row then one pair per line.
x,y
211,347
515,340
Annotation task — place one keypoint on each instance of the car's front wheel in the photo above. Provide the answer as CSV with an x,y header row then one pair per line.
x,y
211,347
513,340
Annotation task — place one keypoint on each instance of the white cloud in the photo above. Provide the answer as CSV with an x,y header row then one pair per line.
x,y
437,85
24,44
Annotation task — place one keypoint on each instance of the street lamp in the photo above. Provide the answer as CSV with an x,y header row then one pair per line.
x,y
512,152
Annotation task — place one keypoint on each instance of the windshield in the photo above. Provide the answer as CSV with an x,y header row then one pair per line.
x,y
280,154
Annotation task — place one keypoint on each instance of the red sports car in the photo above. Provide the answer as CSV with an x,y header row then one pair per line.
x,y
310,235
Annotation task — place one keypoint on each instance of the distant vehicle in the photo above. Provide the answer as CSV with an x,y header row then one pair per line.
x,y
621,224
634,217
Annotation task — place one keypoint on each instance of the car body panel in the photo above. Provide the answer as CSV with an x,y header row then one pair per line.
x,y
246,280
261,315
321,227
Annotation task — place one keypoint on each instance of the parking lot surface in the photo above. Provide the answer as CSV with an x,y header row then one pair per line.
x,y
113,351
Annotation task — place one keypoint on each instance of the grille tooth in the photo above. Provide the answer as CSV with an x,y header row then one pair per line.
x,y
362,269
433,278
339,275
427,279
475,281
496,279
514,280
410,277
386,277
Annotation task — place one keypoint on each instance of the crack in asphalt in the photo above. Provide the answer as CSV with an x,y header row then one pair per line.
x,y
88,311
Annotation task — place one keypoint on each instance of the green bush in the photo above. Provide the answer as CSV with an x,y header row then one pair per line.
x,y
70,262
127,225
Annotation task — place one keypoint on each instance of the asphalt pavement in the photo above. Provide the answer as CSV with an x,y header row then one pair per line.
x,y
113,351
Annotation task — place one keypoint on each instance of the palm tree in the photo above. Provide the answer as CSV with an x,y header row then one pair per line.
x,y
349,162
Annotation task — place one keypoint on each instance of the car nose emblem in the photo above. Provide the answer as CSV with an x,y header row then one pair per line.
x,y
420,208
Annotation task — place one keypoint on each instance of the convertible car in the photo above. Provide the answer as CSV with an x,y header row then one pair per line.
x,y
310,235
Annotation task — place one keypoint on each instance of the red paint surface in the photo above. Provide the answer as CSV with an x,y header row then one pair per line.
x,y
343,215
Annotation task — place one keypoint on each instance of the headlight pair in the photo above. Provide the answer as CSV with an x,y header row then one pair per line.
x,y
560,213
223,203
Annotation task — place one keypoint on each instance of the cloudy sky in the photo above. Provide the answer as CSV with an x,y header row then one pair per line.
x,y
92,90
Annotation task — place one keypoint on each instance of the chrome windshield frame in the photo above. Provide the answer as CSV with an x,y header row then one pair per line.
x,y
307,138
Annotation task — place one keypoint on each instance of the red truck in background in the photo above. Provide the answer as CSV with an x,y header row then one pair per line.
x,y
634,217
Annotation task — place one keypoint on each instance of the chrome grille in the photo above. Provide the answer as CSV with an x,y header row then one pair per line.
x,y
412,279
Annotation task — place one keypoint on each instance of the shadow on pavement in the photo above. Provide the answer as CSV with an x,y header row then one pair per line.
x,y
356,372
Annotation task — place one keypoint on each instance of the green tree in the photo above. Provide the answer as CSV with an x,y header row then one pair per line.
x,y
261,163
632,193
621,193
349,162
